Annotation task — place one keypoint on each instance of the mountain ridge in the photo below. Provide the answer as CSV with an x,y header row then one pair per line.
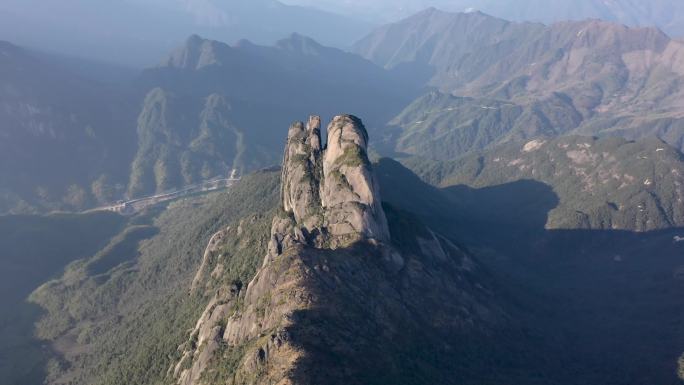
x,y
58,120
137,45
112,135
620,80
664,14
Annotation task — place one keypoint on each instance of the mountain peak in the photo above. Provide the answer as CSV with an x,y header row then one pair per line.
x,y
194,40
9,50
244,43
197,53
435,12
426,13
300,44
429,11
330,193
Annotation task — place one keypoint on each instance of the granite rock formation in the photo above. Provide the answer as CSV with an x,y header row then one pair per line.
x,y
337,299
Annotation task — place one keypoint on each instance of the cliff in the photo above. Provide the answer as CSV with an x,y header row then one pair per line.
x,y
330,197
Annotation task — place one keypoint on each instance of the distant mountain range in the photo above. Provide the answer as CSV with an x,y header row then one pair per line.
x,y
515,81
137,32
206,109
665,14
437,85
242,92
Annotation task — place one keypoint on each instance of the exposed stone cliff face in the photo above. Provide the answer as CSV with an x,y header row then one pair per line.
x,y
331,196
337,300
350,193
302,173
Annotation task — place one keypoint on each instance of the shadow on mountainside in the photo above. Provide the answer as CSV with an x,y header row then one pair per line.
x,y
34,249
23,357
607,303
435,321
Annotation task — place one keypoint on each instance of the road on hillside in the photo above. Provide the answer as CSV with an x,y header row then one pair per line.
x,y
133,206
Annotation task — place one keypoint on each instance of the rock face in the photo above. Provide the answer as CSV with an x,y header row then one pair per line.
x,y
350,193
302,173
337,299
331,195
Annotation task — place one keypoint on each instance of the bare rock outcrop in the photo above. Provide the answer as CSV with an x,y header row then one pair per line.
x,y
211,248
331,194
349,192
302,172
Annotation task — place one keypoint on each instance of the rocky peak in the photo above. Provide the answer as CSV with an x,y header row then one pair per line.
x,y
329,196
302,173
350,193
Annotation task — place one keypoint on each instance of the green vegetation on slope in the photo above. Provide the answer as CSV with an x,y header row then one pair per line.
x,y
175,149
118,317
441,126
607,183
65,139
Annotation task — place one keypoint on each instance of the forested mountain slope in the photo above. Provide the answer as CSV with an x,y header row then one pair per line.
x,y
587,77
64,138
